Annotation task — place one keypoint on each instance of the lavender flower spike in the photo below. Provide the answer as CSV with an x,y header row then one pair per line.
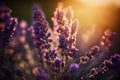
x,y
8,26
40,28
40,34
112,64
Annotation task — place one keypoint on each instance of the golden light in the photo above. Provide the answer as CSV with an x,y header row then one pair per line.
x,y
103,13
88,34
100,2
100,12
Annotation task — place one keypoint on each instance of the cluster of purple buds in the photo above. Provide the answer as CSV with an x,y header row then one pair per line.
x,y
7,29
112,64
42,41
8,32
50,55
66,28
40,32
7,26
40,29
62,41
89,55
74,67
115,60
57,65
66,40
40,74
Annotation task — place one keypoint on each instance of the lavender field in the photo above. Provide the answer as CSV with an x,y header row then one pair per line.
x,y
59,40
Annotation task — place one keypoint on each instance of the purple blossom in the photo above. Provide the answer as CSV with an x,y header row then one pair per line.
x,y
115,60
62,41
9,26
40,28
111,64
58,65
40,33
74,67
51,54
7,29
89,55
57,62
67,26
40,74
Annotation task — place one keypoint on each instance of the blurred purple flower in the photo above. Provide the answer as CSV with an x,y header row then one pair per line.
x,y
74,67
40,26
40,74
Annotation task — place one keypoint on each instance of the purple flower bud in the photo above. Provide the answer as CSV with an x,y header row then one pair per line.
x,y
57,62
74,67
48,35
115,66
62,41
47,56
50,40
40,74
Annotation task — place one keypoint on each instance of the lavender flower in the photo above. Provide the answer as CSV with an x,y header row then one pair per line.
x,y
40,32
115,60
62,41
74,67
40,74
8,26
90,54
67,26
59,59
7,29
40,28
112,64
66,40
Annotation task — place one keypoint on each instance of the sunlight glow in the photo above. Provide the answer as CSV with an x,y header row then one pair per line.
x,y
100,2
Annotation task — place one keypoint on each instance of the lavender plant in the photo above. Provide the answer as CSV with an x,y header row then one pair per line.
x,y
40,32
59,62
7,29
63,59
111,64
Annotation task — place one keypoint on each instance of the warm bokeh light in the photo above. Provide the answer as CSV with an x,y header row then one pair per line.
x,y
88,34
103,13
100,12
100,2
